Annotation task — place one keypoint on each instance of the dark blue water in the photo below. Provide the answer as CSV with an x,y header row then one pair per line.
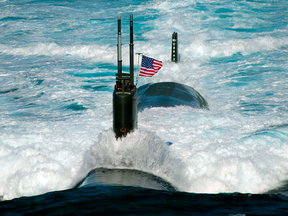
x,y
115,200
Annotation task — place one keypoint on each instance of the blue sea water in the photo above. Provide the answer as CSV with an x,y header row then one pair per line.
x,y
57,71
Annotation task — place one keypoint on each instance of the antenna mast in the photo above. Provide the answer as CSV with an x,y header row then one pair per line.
x,y
174,53
131,51
119,56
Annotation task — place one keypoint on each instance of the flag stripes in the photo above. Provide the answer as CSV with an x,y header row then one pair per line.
x,y
149,66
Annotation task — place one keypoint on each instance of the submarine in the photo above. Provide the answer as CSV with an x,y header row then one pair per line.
x,y
128,100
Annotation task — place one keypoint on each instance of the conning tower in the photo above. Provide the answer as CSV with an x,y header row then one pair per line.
x,y
125,92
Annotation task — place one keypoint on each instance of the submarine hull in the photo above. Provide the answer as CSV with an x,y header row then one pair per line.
x,y
169,94
125,177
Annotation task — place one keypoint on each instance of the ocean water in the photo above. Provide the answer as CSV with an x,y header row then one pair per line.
x,y
57,73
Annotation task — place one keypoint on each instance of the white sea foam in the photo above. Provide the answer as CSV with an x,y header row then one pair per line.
x,y
99,53
209,153
210,157
197,48
216,154
139,150
200,48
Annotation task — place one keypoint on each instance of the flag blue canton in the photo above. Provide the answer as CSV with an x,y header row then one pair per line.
x,y
149,66
147,62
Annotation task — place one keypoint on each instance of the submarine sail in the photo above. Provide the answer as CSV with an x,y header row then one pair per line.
x,y
125,93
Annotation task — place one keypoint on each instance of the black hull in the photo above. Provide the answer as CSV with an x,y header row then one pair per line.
x,y
125,177
169,94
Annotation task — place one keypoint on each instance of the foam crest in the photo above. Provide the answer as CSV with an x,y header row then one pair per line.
x,y
215,156
199,48
170,5
202,46
44,156
139,150
101,53
94,52
36,169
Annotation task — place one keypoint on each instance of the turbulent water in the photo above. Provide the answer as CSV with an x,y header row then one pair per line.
x,y
57,73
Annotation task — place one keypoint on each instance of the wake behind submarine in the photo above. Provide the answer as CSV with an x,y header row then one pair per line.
x,y
126,104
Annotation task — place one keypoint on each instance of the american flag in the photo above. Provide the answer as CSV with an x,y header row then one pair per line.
x,y
149,66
